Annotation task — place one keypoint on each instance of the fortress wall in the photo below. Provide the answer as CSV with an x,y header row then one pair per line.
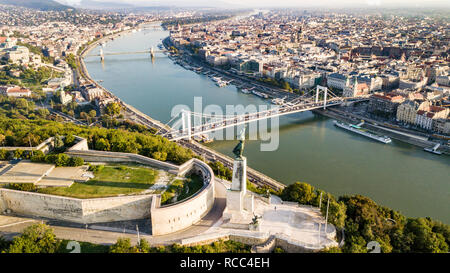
x,y
81,145
36,204
116,208
178,216
76,210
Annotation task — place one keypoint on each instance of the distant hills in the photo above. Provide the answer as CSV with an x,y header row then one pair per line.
x,y
37,4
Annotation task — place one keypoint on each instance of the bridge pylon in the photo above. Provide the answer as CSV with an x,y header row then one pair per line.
x,y
324,90
102,55
152,53
186,123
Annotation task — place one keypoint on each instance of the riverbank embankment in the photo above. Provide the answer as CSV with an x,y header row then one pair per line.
x,y
415,140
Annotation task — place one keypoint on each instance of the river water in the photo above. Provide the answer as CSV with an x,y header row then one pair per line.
x,y
311,149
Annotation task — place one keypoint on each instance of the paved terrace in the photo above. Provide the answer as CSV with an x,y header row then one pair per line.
x,y
25,172
42,175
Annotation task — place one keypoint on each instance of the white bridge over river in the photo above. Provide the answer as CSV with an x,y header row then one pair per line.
x,y
206,123
102,53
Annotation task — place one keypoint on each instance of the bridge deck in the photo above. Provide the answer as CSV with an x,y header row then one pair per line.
x,y
220,124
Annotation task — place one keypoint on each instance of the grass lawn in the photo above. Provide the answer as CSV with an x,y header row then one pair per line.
x,y
110,181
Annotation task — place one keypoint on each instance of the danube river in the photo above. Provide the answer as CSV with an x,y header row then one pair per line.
x,y
311,149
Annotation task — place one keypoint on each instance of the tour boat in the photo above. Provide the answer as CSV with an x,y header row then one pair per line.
x,y
261,95
434,150
357,129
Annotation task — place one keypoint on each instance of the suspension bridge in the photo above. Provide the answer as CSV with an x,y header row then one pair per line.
x,y
206,123
102,53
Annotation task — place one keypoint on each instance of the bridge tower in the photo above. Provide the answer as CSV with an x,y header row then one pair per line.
x,y
186,120
325,95
102,56
152,53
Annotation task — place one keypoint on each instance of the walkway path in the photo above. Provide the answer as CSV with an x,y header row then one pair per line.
x,y
161,183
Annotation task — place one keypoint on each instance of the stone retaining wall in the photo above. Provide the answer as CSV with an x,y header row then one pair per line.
x,y
76,210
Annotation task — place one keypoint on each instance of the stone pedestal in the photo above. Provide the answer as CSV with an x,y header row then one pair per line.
x,y
240,203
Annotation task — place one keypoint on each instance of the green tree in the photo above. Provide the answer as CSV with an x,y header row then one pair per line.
x,y
162,156
37,238
85,116
113,109
58,159
424,240
123,245
43,113
144,246
69,140
22,103
58,142
102,145
2,139
299,192
92,113
336,212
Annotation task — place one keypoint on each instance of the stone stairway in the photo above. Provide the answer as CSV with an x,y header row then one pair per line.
x,y
266,247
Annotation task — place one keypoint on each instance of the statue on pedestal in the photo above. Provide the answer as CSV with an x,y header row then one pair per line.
x,y
255,220
240,204
239,149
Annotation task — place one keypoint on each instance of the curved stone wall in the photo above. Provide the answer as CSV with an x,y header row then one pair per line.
x,y
178,216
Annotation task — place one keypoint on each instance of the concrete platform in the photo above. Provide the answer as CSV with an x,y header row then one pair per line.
x,y
284,220
25,172
64,177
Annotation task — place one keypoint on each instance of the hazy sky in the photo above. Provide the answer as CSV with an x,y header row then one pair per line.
x,y
279,3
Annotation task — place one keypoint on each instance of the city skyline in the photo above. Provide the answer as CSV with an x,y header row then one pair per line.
x,y
267,3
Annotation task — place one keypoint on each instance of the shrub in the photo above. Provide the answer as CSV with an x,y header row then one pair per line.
x,y
4,245
165,197
22,186
4,154
38,156
76,162
96,168
18,153
279,250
